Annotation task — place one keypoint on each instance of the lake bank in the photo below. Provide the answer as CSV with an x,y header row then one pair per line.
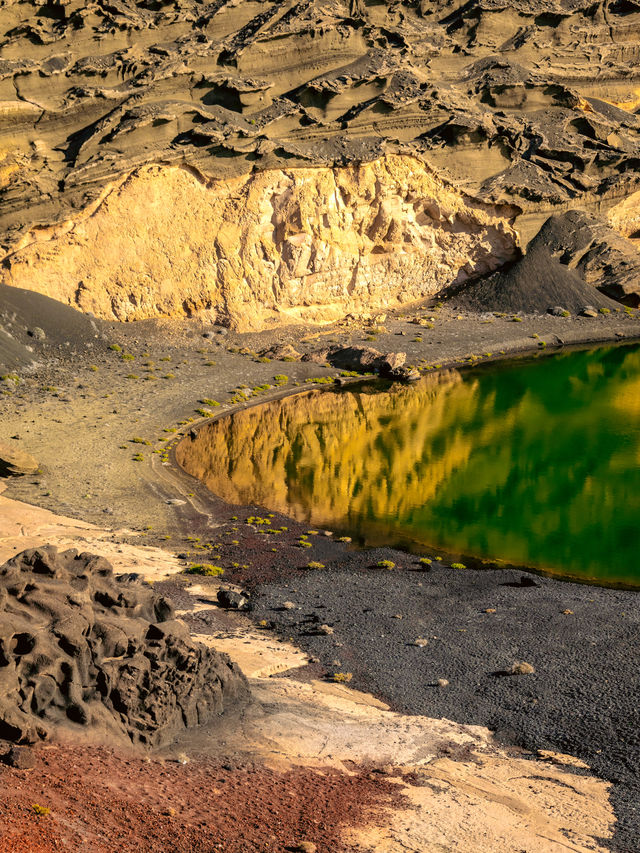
x,y
84,438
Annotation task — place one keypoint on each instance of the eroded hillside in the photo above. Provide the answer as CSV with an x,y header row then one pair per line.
x,y
529,108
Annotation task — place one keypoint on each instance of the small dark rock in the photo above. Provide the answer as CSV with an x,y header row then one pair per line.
x,y
20,757
37,333
233,600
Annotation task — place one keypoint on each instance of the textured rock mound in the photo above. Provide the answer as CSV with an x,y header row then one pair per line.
x,y
575,260
84,648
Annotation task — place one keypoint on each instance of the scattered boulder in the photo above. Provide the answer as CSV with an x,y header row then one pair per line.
x,y
20,757
589,311
365,360
14,461
82,648
280,352
37,333
231,599
558,311
522,668
442,682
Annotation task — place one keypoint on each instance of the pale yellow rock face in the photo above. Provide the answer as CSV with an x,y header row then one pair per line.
x,y
625,216
273,247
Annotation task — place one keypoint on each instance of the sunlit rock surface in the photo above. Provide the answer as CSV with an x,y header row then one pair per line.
x,y
113,115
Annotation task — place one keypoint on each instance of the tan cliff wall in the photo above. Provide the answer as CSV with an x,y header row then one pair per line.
x,y
273,247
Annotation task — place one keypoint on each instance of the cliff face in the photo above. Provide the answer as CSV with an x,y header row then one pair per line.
x,y
208,124
274,246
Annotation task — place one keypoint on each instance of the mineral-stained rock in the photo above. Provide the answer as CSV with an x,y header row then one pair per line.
x,y
271,247
82,648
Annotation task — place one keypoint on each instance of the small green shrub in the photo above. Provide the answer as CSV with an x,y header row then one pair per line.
x,y
209,402
206,569
127,356
115,347
41,811
385,564
425,561
458,566
137,440
342,677
605,310
314,565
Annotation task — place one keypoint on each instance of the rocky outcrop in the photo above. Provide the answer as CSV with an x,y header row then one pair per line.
x,y
276,246
575,260
160,158
529,103
101,655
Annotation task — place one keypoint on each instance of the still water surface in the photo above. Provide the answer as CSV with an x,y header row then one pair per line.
x,y
532,462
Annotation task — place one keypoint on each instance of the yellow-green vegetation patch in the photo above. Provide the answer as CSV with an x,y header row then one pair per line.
x,y
206,569
458,566
319,380
342,677
386,564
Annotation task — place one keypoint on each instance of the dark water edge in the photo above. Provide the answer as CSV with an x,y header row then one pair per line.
x,y
583,698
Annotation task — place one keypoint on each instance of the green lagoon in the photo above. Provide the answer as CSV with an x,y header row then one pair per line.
x,y
533,462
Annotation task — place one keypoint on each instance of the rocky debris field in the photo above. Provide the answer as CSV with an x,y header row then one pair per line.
x,y
100,655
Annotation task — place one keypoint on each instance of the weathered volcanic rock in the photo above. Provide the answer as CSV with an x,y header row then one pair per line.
x,y
82,648
237,157
360,359
575,260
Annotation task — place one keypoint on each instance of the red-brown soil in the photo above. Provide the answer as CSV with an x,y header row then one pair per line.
x,y
101,801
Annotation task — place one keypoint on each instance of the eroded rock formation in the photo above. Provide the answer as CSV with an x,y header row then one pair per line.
x,y
102,655
271,246
170,156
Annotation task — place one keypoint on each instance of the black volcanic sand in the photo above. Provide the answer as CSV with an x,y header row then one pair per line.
x,y
583,699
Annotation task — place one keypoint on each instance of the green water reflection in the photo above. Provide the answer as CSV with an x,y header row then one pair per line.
x,y
536,463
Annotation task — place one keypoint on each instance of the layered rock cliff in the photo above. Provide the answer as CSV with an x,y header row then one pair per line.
x,y
272,246
273,106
